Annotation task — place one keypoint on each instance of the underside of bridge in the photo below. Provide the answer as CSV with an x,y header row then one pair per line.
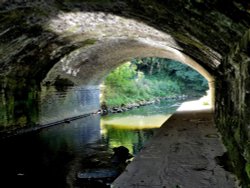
x,y
77,42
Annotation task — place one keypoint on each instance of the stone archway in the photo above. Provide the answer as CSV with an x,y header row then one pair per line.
x,y
36,35
86,68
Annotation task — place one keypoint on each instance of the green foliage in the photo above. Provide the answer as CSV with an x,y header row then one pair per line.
x,y
186,76
148,78
122,75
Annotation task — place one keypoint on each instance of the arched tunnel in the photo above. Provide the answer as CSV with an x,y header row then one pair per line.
x,y
80,42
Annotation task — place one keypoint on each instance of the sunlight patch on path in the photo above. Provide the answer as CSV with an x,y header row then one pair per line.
x,y
195,105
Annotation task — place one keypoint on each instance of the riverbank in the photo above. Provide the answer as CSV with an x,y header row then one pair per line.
x,y
103,111
37,127
125,107
185,152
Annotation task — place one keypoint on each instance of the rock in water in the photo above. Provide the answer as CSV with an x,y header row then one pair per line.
x,y
121,155
95,174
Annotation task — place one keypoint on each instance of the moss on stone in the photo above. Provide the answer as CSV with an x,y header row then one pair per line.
x,y
189,41
88,42
237,135
228,126
63,82
247,168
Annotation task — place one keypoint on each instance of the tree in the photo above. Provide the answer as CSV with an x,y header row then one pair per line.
x,y
147,78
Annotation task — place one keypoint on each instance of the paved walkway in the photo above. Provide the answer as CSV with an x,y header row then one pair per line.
x,y
180,155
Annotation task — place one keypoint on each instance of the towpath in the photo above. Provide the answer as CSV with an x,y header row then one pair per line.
x,y
182,154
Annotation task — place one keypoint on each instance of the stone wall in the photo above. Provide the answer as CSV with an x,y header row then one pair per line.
x,y
26,105
86,37
233,107
56,105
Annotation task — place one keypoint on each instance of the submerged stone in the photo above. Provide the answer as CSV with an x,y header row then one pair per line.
x,y
96,174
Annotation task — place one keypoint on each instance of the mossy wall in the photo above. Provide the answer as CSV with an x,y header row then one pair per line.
x,y
19,103
232,109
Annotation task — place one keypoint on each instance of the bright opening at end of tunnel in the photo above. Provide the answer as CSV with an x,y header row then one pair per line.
x,y
204,103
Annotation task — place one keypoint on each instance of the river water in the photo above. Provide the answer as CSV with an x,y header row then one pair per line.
x,y
53,156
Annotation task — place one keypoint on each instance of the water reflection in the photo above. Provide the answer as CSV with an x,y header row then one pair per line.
x,y
49,158
53,156
131,131
135,122
75,101
43,104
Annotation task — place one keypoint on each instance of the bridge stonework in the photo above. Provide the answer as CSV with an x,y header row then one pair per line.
x,y
232,109
81,41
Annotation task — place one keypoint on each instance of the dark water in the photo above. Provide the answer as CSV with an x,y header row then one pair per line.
x,y
52,157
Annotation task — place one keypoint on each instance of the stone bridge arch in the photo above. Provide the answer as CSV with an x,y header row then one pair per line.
x,y
36,35
87,67
90,66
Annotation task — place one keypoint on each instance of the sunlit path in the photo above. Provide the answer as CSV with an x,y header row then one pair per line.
x,y
201,104
181,154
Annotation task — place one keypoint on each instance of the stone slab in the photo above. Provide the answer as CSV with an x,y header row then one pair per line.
x,y
180,155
